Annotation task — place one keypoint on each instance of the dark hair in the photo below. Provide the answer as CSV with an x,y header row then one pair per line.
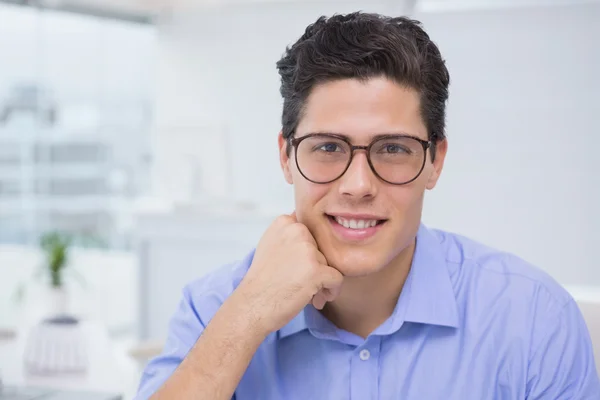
x,y
362,46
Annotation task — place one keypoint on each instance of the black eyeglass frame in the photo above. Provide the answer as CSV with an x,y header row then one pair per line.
x,y
295,142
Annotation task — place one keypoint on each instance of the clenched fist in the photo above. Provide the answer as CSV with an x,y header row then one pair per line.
x,y
287,273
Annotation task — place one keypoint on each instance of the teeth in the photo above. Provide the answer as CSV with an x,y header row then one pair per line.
x,y
355,224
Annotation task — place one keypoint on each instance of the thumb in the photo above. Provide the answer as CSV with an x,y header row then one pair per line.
x,y
293,215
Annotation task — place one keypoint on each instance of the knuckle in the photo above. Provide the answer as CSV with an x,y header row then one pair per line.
x,y
297,228
283,220
299,231
304,233
314,269
307,248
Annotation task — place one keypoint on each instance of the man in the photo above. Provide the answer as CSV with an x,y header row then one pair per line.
x,y
350,296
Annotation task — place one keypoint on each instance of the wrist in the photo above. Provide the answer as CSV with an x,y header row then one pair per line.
x,y
249,314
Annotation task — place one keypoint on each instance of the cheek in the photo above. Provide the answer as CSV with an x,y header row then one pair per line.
x,y
307,195
406,208
404,199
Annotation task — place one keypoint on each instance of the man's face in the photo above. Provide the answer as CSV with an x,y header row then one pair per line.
x,y
360,111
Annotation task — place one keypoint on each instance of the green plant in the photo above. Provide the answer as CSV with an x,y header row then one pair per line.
x,y
56,253
56,247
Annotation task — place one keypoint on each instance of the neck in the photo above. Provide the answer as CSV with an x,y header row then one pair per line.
x,y
366,302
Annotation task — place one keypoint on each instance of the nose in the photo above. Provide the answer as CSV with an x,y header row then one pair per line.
x,y
358,181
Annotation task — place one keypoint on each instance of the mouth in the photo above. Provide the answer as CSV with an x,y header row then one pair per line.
x,y
355,227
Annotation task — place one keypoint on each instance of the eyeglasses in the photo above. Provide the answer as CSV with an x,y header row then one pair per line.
x,y
395,159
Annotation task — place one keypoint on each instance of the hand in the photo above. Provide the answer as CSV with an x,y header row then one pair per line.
x,y
287,273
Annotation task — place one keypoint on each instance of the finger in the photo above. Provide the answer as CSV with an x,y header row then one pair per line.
x,y
329,286
293,216
327,295
319,301
331,278
320,257
331,294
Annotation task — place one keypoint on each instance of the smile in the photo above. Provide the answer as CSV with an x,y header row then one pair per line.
x,y
355,228
356,224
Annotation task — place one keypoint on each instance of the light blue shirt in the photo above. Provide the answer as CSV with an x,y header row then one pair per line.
x,y
471,323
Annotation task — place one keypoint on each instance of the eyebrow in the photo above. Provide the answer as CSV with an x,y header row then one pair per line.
x,y
371,138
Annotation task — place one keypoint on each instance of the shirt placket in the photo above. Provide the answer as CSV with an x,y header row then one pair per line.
x,y
364,370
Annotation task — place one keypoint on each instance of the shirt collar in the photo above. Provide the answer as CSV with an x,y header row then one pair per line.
x,y
430,298
427,296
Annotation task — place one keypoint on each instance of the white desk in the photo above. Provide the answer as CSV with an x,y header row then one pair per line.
x,y
588,300
110,370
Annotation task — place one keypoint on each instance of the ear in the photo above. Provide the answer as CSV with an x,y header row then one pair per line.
x,y
441,149
284,159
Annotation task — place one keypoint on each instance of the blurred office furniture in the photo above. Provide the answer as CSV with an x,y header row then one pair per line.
x,y
588,300
56,345
36,393
142,351
174,248
109,368
30,98
195,162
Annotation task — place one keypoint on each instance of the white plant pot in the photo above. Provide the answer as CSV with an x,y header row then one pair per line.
x,y
56,348
57,301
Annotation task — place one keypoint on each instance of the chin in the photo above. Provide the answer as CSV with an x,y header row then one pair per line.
x,y
355,270
354,261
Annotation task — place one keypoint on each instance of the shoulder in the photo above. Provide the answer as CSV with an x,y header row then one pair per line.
x,y
489,272
206,294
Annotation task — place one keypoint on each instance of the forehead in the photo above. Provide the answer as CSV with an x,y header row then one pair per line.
x,y
362,109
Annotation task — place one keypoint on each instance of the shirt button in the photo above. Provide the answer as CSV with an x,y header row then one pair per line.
x,y
364,354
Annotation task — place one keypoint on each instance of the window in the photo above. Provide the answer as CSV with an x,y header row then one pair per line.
x,y
75,115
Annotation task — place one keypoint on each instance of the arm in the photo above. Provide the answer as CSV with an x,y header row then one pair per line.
x,y
218,360
202,362
207,362
562,364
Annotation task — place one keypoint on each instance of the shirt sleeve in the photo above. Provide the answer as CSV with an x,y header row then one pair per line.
x,y
185,328
562,364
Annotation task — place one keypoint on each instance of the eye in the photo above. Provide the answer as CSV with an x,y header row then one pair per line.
x,y
394,148
329,147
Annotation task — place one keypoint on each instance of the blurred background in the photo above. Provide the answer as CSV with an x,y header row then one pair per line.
x,y
138,152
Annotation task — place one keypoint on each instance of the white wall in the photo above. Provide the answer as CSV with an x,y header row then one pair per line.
x,y
521,173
